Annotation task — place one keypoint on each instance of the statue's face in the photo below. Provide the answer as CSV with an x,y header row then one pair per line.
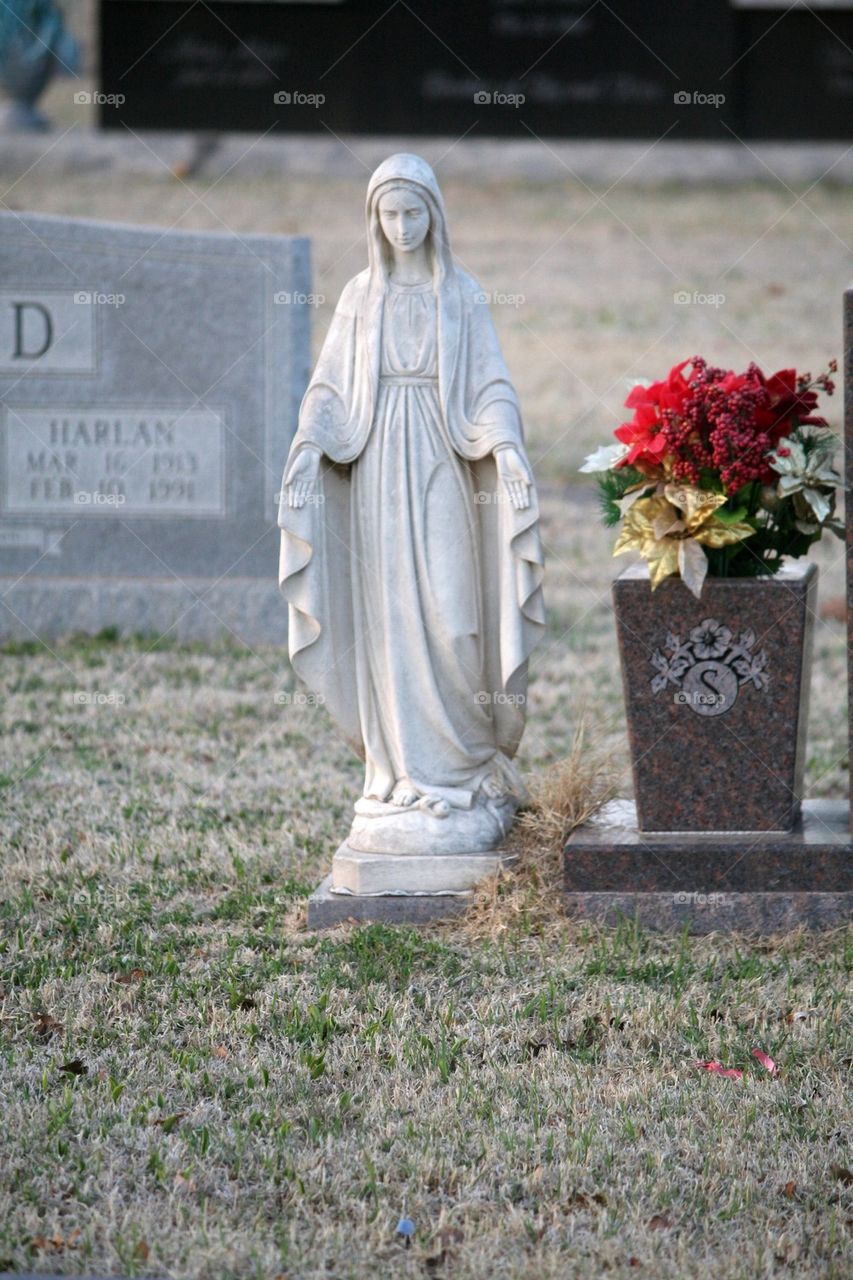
x,y
404,218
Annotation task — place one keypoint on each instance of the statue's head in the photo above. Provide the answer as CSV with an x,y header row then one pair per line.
x,y
403,217
405,210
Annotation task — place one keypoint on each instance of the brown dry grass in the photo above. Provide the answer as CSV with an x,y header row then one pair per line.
x,y
563,795
528,1100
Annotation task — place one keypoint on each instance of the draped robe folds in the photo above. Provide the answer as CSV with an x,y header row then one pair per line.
x,y
426,686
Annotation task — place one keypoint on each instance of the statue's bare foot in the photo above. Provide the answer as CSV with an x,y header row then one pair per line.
x,y
404,795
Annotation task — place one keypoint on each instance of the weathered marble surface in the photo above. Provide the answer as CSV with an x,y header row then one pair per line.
x,y
410,551
327,908
150,382
399,873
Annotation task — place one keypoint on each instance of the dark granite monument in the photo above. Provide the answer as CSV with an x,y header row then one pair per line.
x,y
759,881
551,68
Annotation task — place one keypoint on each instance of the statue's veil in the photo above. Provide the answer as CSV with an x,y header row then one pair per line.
x,y
413,173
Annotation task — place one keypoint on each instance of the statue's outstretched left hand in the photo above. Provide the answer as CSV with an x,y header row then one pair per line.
x,y
514,476
301,474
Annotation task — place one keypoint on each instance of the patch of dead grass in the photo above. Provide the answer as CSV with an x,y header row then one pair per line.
x,y
562,796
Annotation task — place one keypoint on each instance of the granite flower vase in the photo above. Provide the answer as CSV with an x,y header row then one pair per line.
x,y
716,696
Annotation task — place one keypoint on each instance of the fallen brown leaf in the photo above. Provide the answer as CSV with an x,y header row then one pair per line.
x,y
581,1201
448,1238
133,975
799,1015
55,1243
76,1067
789,1190
142,1250
46,1026
660,1222
168,1123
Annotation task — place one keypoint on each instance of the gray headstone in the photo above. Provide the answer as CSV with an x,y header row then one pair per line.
x,y
150,382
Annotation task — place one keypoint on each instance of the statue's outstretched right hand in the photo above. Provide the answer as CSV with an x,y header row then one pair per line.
x,y
300,480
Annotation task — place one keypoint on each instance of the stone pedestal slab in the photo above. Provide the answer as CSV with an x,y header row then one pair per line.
x,y
360,873
327,908
400,888
758,882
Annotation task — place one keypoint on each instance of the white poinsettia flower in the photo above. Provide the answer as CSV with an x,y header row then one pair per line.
x,y
812,474
605,457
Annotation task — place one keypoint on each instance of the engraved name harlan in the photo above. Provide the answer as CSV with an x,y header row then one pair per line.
x,y
114,431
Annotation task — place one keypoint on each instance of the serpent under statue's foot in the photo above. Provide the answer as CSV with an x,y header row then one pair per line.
x,y
404,795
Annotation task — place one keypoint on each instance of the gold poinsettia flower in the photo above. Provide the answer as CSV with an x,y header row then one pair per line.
x,y
669,530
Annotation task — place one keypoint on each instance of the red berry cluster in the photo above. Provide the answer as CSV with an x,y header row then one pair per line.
x,y
717,420
717,427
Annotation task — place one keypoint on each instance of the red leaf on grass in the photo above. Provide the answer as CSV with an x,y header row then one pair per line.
x,y
766,1061
733,1073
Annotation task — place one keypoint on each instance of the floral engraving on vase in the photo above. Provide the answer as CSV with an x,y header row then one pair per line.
x,y
708,669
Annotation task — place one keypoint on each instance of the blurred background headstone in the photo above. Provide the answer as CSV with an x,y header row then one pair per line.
x,y
150,382
570,68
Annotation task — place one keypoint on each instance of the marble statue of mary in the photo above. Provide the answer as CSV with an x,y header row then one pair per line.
x,y
410,553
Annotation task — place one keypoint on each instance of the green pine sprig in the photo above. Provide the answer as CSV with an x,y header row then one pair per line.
x,y
612,487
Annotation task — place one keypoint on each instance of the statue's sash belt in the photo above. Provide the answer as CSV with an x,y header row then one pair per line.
x,y
406,380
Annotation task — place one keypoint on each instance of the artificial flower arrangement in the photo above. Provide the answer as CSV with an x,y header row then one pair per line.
x,y
719,472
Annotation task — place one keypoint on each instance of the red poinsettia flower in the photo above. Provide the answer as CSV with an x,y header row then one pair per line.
x,y
643,433
789,406
647,444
